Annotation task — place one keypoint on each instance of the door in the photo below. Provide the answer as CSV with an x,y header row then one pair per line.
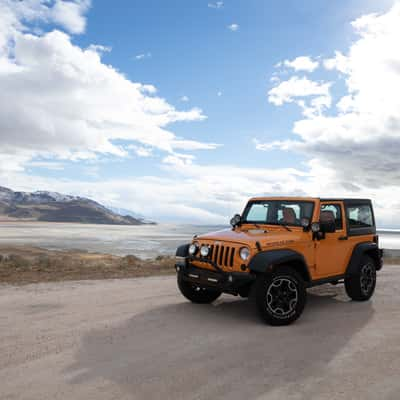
x,y
332,253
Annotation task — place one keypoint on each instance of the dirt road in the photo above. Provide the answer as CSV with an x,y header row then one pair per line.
x,y
139,339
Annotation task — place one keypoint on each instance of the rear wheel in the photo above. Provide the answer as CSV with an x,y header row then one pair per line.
x,y
197,294
280,296
360,285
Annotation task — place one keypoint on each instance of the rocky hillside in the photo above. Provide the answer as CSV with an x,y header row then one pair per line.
x,y
56,207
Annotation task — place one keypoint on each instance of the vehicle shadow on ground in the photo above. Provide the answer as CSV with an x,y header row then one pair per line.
x,y
189,351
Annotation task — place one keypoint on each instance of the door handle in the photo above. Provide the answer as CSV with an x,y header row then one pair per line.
x,y
343,238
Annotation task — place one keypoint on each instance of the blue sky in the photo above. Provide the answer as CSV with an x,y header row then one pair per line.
x,y
229,113
193,54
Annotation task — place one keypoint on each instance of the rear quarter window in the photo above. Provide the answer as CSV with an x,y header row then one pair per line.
x,y
360,219
360,216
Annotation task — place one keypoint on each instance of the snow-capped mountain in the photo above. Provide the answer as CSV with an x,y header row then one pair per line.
x,y
57,207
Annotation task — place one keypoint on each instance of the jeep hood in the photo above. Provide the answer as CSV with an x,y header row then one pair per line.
x,y
249,237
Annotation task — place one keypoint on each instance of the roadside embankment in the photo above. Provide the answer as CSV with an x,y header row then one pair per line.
x,y
25,264
391,256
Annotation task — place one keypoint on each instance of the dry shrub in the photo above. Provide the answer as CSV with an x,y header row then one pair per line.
x,y
131,260
17,261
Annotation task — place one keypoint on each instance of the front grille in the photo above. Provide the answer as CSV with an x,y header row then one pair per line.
x,y
222,255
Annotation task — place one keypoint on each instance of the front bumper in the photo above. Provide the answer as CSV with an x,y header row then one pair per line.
x,y
228,282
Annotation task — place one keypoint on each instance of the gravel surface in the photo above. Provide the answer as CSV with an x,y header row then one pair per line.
x,y
139,339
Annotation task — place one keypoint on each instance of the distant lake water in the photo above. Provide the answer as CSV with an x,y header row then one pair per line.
x,y
145,241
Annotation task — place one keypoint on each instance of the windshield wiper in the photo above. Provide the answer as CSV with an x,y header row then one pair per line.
x,y
285,226
251,223
256,225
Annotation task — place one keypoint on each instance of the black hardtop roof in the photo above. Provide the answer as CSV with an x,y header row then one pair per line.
x,y
296,198
347,200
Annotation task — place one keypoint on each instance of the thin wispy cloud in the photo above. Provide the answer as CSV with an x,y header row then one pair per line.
x,y
141,151
217,5
142,56
98,48
51,165
233,27
184,99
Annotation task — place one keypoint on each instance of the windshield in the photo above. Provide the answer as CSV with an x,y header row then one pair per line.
x,y
277,212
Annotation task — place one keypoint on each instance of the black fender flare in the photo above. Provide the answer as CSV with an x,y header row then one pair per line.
x,y
369,248
265,261
182,251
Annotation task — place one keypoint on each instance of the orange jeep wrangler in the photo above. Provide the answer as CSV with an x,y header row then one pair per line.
x,y
278,248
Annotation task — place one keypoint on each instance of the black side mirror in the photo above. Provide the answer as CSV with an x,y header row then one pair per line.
x,y
236,220
327,226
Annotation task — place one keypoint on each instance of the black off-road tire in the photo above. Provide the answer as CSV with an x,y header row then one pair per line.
x,y
197,294
360,285
280,296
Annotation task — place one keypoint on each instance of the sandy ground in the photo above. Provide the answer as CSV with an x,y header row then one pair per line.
x,y
139,339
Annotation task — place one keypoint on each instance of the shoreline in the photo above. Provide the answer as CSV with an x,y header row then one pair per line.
x,y
23,264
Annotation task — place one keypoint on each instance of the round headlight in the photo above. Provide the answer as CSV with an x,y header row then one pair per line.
x,y
305,222
315,227
204,250
244,253
193,249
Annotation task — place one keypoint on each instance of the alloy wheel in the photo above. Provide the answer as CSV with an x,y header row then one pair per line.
x,y
367,278
282,296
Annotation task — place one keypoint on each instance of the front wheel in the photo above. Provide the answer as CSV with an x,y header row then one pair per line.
x,y
360,285
280,296
197,294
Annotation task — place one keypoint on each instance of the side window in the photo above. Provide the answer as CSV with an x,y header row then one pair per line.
x,y
332,212
360,216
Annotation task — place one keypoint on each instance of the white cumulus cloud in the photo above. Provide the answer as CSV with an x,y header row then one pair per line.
x,y
294,88
313,97
302,63
60,100
70,14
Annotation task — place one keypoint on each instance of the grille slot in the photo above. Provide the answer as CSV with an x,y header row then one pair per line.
x,y
221,255
216,254
226,256
232,256
210,256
